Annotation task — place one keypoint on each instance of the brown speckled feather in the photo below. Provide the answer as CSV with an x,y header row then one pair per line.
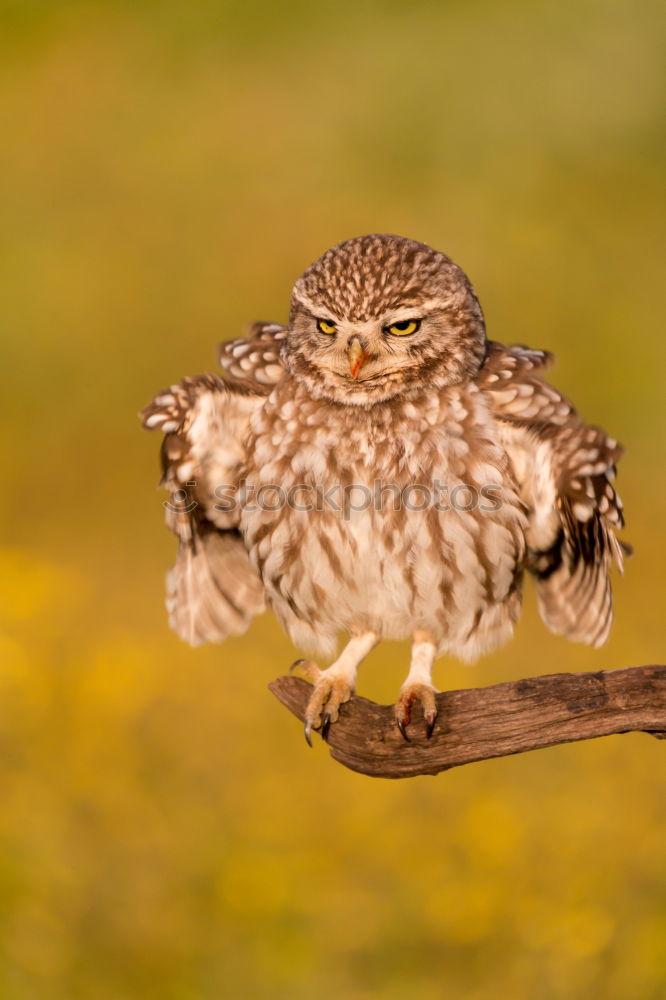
x,y
565,469
257,356
212,590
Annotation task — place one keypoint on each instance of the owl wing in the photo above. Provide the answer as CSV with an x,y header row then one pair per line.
x,y
256,358
564,470
212,590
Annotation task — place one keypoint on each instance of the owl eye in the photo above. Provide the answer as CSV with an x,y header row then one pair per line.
x,y
324,326
404,328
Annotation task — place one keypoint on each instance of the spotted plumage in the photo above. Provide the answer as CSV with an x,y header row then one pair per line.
x,y
382,485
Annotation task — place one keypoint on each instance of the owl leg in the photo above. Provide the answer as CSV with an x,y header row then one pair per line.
x,y
334,686
418,685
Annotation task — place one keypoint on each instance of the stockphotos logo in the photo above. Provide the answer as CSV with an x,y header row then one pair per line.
x,y
345,499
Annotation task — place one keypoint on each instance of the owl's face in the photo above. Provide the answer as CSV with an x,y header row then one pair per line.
x,y
379,316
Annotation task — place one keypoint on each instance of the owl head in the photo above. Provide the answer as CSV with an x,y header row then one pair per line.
x,y
380,316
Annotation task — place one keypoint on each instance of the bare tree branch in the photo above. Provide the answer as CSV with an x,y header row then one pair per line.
x,y
480,723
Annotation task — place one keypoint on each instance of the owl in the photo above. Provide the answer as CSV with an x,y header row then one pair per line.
x,y
379,469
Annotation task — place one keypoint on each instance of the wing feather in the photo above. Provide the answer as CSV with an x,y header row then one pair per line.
x,y
565,471
256,357
213,590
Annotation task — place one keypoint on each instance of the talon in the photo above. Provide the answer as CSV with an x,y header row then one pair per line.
x,y
307,730
403,731
325,725
306,669
409,693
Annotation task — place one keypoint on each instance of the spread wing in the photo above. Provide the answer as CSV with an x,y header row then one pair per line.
x,y
213,590
565,471
256,358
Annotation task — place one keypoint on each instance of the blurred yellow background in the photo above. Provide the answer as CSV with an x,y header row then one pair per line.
x,y
168,170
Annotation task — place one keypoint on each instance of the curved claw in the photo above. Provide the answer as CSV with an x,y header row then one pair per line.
x,y
307,729
403,731
409,693
325,725
306,669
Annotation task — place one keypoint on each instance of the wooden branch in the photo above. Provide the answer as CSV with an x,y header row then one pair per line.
x,y
480,723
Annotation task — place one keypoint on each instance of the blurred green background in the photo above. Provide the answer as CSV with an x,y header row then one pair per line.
x,y
168,170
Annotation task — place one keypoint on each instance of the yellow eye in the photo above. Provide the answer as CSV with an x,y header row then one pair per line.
x,y
404,328
324,326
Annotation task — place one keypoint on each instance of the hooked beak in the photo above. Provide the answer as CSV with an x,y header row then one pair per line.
x,y
357,356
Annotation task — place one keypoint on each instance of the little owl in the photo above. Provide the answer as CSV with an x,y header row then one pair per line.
x,y
379,468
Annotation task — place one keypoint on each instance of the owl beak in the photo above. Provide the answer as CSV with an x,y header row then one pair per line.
x,y
357,356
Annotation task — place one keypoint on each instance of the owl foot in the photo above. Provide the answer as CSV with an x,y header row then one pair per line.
x,y
409,693
334,686
331,689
